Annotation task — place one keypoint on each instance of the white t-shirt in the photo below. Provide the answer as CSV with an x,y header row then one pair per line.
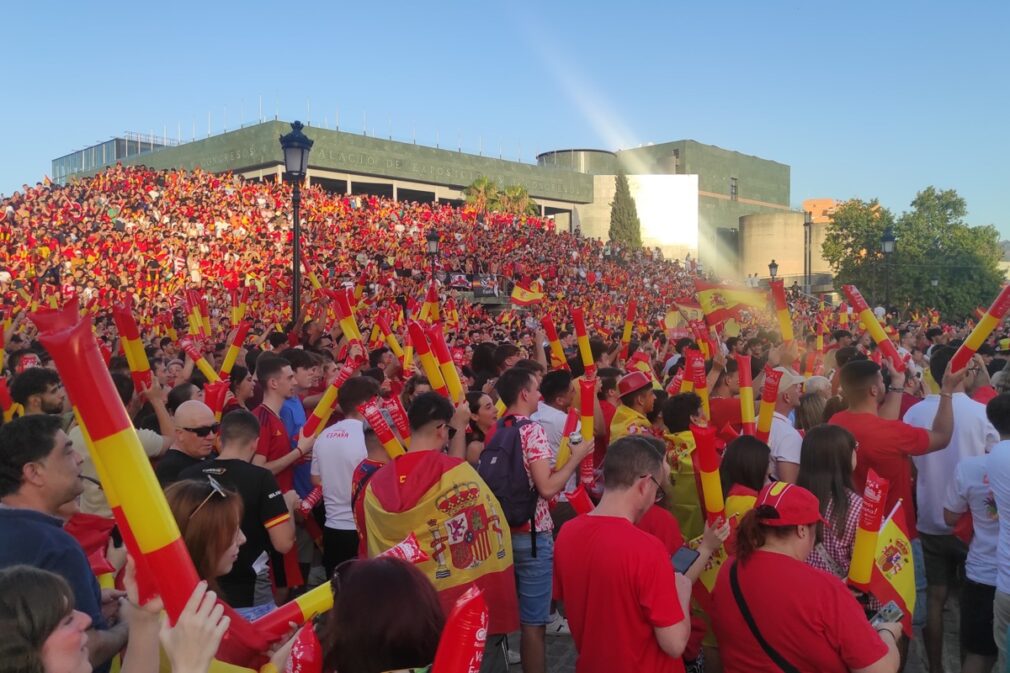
x,y
970,490
335,454
973,436
785,442
998,465
553,421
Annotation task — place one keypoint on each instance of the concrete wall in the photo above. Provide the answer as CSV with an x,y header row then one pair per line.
x,y
779,236
256,147
593,162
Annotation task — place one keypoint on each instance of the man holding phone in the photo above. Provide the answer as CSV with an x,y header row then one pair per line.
x,y
626,606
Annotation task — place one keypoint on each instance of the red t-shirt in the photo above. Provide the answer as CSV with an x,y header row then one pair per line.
x,y
725,410
659,523
617,585
885,446
805,614
274,443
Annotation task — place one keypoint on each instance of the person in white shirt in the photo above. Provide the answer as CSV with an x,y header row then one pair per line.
x,y
557,391
783,439
335,454
943,552
969,493
998,467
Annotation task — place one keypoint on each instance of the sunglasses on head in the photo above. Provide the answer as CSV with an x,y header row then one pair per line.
x,y
215,489
204,430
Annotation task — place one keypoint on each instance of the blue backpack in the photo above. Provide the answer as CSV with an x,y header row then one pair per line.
x,y
501,466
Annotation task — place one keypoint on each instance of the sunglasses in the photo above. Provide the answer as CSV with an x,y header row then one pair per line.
x,y
216,489
204,430
452,430
660,493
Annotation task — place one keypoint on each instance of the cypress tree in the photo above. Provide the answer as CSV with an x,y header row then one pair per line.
x,y
624,225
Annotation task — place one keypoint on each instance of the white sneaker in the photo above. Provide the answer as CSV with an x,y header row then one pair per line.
x,y
558,626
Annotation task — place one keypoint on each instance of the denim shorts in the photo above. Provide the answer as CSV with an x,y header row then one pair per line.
x,y
919,563
533,577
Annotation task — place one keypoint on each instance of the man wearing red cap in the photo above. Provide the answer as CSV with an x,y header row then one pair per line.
x,y
773,612
637,398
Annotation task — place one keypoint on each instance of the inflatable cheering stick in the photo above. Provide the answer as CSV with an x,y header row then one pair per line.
x,y
428,363
873,327
461,647
708,467
629,322
746,394
233,348
782,310
558,359
865,544
990,321
579,319
769,393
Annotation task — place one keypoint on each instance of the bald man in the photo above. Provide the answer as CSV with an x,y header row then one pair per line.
x,y
195,435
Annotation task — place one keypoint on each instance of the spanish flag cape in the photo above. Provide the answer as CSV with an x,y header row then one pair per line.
x,y
457,521
683,500
627,421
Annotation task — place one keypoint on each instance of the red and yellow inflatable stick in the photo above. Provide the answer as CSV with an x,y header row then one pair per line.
x,y
843,315
746,394
865,545
394,405
234,347
695,372
370,410
345,316
461,647
390,338
116,446
197,357
587,404
133,347
565,449
359,287
311,273
629,322
579,320
769,393
328,402
243,304
214,394
558,359
782,310
431,370
820,334
275,624
445,364
873,326
579,500
988,322
708,469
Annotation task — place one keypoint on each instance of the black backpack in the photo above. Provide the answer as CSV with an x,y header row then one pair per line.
x,y
501,466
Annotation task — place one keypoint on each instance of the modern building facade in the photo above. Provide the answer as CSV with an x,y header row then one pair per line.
x,y
690,197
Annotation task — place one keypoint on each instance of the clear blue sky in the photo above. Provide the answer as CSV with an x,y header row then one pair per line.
x,y
861,99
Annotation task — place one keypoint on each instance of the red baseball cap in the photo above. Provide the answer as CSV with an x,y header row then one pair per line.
x,y
783,504
632,383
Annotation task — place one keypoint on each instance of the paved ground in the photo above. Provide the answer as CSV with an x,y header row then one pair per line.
x,y
561,651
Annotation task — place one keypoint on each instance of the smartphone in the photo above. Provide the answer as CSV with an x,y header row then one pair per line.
x,y
889,614
684,558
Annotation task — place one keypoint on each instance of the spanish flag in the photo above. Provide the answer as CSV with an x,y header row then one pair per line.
x,y
689,310
527,292
721,302
456,518
893,576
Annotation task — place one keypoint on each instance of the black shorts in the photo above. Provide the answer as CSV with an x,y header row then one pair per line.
x,y
944,557
977,619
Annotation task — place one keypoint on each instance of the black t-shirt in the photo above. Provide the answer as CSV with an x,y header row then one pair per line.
x,y
263,508
171,465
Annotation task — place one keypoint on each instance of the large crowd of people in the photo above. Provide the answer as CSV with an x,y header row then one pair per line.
x,y
567,482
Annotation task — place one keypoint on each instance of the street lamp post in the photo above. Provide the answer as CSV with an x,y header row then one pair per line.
x,y
887,246
432,241
808,242
296,147
773,269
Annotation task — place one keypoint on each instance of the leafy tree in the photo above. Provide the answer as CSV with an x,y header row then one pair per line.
x,y
483,194
516,199
934,243
625,228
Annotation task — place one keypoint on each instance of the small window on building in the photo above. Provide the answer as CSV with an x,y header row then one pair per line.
x,y
732,189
